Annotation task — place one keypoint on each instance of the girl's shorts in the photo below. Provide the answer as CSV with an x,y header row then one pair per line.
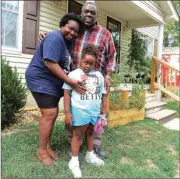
x,y
81,119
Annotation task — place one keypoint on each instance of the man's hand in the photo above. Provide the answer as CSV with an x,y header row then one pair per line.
x,y
78,86
107,84
68,119
41,36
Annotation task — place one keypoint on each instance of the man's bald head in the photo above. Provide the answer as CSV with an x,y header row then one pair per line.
x,y
89,14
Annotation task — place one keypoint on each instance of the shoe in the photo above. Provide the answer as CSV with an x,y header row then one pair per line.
x,y
100,152
93,159
74,167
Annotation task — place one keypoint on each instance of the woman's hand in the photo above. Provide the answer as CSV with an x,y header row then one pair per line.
x,y
68,119
78,86
41,36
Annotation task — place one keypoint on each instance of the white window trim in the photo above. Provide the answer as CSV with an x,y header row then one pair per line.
x,y
17,50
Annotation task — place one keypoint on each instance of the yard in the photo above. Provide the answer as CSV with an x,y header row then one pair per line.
x,y
138,150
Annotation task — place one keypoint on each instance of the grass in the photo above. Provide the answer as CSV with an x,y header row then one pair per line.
x,y
139,150
174,106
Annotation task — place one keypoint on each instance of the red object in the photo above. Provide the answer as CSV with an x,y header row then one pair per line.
x,y
167,77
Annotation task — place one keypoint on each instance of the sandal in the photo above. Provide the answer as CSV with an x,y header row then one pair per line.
x,y
45,158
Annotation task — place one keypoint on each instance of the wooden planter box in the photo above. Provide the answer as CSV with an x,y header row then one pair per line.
x,y
122,116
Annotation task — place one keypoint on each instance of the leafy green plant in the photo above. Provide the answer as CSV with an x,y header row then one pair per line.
x,y
136,100
137,51
13,94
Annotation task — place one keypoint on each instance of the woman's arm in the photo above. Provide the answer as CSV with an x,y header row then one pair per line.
x,y
57,71
67,107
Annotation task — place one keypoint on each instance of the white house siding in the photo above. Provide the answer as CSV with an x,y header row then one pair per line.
x,y
126,36
20,61
152,33
102,18
50,14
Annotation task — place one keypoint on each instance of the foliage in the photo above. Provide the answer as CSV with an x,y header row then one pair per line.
x,y
137,51
171,31
136,100
13,94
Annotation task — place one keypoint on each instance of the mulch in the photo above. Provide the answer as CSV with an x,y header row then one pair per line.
x,y
26,118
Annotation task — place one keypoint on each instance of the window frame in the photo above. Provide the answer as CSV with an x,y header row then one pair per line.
x,y
75,2
112,19
18,49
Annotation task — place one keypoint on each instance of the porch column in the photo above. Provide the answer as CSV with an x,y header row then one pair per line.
x,y
159,54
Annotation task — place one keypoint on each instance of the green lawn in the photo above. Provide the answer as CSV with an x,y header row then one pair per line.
x,y
174,106
138,150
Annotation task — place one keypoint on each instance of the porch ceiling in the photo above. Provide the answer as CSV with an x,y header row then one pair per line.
x,y
127,12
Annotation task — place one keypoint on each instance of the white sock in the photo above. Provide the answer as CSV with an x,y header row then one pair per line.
x,y
74,158
90,152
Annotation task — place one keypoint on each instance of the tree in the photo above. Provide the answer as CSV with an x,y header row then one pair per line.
x,y
171,31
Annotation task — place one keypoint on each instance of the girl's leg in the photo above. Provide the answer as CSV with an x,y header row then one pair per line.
x,y
90,156
78,133
89,137
45,130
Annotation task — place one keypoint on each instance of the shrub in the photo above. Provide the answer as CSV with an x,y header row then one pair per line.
x,y
13,94
137,51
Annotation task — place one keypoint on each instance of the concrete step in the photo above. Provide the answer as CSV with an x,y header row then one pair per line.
x,y
150,97
174,124
162,116
154,106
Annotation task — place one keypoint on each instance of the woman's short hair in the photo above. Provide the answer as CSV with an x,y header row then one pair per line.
x,y
90,50
71,16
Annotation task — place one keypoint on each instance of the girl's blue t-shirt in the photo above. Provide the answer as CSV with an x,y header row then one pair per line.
x,y
56,49
89,103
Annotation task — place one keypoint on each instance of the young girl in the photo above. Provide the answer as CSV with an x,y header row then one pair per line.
x,y
82,111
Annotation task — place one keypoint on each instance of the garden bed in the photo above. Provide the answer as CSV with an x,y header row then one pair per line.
x,y
124,107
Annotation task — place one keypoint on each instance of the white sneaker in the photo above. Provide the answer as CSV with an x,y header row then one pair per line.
x,y
74,167
93,159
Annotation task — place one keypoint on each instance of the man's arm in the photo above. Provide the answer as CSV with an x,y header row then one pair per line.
x,y
104,104
67,107
41,36
111,57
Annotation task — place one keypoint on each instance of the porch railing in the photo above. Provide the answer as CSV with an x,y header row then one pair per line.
x,y
169,79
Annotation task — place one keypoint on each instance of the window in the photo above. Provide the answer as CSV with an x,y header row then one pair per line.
x,y
10,12
74,7
114,27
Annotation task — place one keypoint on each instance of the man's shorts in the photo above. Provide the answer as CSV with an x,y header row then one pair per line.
x,y
46,101
79,119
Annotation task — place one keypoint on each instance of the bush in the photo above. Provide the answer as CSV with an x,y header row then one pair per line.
x,y
137,51
13,94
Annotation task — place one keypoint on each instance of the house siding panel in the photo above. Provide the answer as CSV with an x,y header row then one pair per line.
x,y
150,31
50,14
20,61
